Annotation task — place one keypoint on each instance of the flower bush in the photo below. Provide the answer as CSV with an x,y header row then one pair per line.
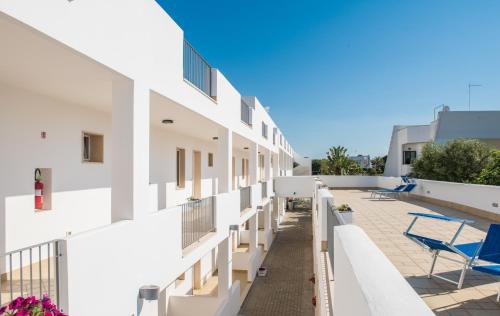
x,y
31,306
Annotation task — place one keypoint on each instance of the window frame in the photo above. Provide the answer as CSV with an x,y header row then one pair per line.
x,y
412,156
180,168
210,159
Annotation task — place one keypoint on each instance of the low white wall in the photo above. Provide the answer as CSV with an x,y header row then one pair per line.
x,y
145,251
300,187
324,196
349,181
188,305
360,268
482,197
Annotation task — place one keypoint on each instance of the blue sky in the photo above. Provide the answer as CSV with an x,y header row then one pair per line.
x,y
344,72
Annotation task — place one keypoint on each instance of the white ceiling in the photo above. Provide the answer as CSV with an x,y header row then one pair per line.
x,y
32,61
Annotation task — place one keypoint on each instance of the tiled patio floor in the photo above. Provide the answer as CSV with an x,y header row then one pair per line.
x,y
385,220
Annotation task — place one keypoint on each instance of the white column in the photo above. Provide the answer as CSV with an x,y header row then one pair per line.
x,y
130,150
267,164
253,161
267,224
253,230
224,159
275,165
225,266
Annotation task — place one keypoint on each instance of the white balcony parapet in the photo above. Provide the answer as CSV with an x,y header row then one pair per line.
x,y
372,287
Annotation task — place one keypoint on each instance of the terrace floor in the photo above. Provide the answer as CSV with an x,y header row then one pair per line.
x,y
385,220
286,290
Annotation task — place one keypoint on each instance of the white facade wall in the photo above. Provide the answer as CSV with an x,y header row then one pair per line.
x,y
144,246
81,191
162,171
401,136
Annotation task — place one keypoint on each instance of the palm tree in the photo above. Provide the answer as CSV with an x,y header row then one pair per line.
x,y
339,163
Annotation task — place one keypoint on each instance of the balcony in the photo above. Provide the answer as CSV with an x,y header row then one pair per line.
x,y
245,198
198,220
197,70
30,271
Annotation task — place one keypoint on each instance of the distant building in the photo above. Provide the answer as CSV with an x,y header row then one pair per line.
x,y
363,161
407,141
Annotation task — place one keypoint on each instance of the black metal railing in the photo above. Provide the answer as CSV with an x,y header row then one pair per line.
x,y
264,189
198,219
30,271
245,198
197,70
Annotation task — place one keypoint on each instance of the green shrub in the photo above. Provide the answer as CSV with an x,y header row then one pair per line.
x,y
459,160
491,173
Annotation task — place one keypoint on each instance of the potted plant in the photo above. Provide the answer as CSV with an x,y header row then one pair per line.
x,y
344,214
31,306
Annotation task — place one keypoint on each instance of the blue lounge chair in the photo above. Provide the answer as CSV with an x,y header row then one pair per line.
x,y
490,252
404,189
374,192
468,251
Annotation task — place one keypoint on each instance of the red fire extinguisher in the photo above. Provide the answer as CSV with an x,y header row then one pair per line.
x,y
38,190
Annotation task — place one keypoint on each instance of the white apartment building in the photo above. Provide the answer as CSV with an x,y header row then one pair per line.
x,y
155,170
363,161
407,141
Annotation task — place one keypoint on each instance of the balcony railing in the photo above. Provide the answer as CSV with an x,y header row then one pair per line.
x,y
198,219
264,189
31,271
197,70
245,198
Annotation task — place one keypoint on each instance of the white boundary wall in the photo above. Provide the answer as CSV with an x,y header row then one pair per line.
x,y
360,268
482,197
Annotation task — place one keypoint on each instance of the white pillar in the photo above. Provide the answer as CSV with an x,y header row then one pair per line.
x,y
225,266
224,159
267,224
267,164
253,230
253,161
130,150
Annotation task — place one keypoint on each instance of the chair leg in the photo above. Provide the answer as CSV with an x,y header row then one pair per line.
x,y
462,276
434,258
498,296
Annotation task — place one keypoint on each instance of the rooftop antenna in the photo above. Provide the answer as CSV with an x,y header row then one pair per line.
x,y
470,86
443,106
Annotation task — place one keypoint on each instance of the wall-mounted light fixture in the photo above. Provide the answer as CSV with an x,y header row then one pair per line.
x,y
167,121
215,138
245,148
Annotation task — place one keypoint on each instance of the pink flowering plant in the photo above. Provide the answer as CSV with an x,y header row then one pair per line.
x,y
31,306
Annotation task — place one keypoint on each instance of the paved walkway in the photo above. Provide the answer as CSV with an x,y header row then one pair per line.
x,y
286,290
385,220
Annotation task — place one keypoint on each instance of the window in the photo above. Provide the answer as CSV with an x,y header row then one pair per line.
x,y
275,131
92,147
246,113
409,156
264,130
181,168
210,159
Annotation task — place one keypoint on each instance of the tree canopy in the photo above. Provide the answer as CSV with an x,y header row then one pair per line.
x,y
459,160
